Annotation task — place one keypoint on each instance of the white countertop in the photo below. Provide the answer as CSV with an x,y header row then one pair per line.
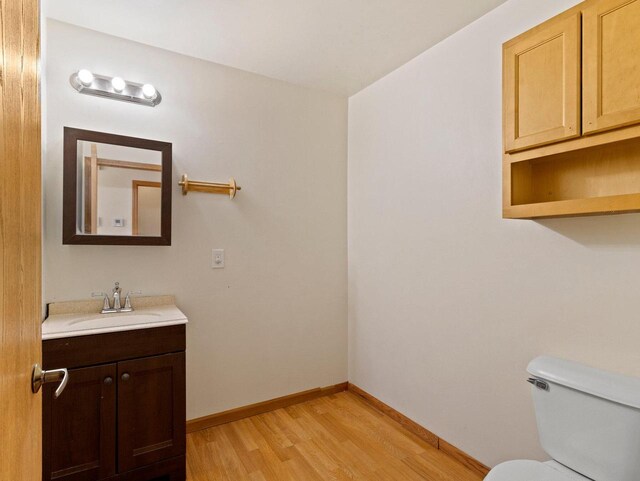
x,y
71,325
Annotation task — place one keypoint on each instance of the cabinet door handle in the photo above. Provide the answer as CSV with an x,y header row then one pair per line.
x,y
125,376
40,377
108,380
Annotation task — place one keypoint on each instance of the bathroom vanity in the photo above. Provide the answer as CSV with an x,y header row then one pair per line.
x,y
121,415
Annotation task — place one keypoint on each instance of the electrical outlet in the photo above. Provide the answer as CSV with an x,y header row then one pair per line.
x,y
217,259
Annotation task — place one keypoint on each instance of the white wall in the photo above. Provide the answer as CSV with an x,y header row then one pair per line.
x,y
447,301
273,321
115,199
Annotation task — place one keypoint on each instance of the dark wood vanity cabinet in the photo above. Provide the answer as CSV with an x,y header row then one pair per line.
x,y
122,415
79,432
151,424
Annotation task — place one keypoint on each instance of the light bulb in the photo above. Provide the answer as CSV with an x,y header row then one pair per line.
x,y
149,91
118,84
85,77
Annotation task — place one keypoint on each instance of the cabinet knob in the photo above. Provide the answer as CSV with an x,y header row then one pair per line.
x,y
108,380
125,376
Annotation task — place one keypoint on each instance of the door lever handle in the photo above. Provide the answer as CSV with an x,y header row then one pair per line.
x,y
40,377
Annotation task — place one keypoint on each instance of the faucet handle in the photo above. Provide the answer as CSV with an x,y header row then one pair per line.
x,y
127,300
106,304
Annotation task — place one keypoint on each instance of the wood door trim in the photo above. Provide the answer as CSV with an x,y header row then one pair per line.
x,y
93,175
421,432
127,164
146,183
90,196
231,415
134,203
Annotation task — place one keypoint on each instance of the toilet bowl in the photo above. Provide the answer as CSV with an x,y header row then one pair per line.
x,y
588,423
533,471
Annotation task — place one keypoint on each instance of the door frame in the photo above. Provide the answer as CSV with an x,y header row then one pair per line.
x,y
135,185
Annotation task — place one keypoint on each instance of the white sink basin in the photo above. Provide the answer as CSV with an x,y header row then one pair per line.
x,y
70,325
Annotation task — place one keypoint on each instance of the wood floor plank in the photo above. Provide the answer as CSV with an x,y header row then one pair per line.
x,y
317,458
391,434
232,465
257,476
236,444
334,438
440,468
241,430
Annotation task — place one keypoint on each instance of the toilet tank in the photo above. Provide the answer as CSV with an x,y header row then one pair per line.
x,y
588,420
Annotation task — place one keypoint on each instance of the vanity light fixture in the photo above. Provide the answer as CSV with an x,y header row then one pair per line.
x,y
118,84
149,91
85,77
86,82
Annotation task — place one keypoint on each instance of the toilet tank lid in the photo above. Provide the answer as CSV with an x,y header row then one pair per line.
x,y
606,385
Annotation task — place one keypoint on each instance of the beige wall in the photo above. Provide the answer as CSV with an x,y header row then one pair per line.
x,y
448,301
115,199
273,321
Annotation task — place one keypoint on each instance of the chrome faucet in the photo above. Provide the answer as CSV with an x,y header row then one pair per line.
x,y
117,303
116,297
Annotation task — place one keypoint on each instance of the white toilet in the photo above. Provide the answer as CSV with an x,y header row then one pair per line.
x,y
588,422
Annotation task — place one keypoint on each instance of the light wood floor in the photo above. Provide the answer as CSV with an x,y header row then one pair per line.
x,y
338,437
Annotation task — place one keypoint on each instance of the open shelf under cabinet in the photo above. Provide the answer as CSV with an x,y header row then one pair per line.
x,y
598,180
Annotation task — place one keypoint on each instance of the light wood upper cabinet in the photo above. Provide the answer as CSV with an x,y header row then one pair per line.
x,y
572,114
542,84
611,64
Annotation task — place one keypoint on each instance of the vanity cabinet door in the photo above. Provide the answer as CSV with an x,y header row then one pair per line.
x,y
151,410
611,64
79,428
541,84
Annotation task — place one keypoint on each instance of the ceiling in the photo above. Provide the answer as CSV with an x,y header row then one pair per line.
x,y
336,45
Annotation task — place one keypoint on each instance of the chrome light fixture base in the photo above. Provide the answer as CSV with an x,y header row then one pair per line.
x,y
101,87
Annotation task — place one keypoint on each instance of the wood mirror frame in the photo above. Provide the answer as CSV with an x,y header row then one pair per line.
x,y
70,234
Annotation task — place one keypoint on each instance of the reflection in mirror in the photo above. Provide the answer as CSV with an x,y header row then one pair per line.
x,y
116,189
119,190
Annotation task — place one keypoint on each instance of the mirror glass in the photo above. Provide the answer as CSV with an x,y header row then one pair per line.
x,y
119,190
116,189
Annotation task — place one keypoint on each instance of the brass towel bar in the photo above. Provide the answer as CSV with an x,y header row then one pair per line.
x,y
209,187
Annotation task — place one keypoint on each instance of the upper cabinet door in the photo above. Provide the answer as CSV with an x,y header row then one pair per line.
x,y
611,64
541,75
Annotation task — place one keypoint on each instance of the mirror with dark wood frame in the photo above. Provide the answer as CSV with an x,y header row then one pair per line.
x,y
117,189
